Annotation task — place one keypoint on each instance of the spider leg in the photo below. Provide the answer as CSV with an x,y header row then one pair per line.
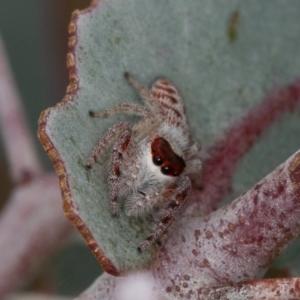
x,y
142,202
123,107
146,94
193,166
193,150
145,199
135,84
169,216
166,233
119,148
110,135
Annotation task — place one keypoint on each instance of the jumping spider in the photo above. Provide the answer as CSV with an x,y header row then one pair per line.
x,y
151,159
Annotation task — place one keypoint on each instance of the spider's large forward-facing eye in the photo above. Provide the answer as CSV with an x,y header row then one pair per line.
x,y
166,170
157,160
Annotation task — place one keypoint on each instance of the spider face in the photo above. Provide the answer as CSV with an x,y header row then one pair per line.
x,y
150,160
163,155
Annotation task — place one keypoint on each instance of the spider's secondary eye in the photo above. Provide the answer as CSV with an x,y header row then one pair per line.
x,y
157,160
154,149
166,170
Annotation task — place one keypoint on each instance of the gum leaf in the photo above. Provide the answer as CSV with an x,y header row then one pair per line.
x,y
222,56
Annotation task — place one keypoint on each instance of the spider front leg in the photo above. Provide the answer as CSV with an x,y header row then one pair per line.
x,y
124,133
146,94
123,107
112,133
120,147
172,211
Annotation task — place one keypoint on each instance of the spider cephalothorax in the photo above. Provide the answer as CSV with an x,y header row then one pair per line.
x,y
151,159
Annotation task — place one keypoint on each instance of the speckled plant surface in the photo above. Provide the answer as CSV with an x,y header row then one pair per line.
x,y
237,66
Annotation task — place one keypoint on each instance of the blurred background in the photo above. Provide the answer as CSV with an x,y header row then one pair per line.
x,y
35,34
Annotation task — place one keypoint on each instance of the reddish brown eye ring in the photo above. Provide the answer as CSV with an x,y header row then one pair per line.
x,y
157,160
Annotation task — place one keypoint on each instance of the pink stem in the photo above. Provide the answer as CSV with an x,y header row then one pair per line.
x,y
239,241
21,153
106,288
32,227
275,289
222,158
